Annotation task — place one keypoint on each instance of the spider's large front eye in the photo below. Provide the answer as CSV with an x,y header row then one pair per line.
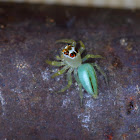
x,y
73,54
66,53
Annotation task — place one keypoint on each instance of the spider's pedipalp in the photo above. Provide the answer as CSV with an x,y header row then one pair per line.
x,y
82,47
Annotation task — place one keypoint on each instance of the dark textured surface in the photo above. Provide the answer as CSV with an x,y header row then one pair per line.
x,y
31,109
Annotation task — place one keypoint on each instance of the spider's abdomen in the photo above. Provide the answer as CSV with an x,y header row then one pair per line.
x,y
87,77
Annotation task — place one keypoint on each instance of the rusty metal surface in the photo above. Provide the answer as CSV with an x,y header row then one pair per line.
x,y
30,107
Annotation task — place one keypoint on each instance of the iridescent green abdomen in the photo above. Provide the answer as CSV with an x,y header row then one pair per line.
x,y
87,77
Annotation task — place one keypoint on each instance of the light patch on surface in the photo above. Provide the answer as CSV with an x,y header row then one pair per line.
x,y
85,117
138,90
50,89
57,78
129,20
45,75
21,96
21,65
131,89
2,102
21,89
17,90
66,102
123,42
128,92
49,102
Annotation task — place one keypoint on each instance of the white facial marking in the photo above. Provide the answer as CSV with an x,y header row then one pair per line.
x,y
70,51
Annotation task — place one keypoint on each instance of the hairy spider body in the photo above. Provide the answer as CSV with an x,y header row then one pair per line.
x,y
84,74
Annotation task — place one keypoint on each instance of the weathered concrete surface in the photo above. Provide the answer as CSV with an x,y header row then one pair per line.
x,y
30,107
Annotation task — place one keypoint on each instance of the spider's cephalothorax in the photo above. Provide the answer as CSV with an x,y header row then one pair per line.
x,y
71,56
84,74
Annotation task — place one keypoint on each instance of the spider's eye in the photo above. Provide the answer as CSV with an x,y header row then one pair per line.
x,y
73,54
66,53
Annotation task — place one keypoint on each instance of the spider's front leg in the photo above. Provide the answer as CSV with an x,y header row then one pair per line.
x,y
60,71
101,71
55,63
69,78
90,56
68,41
80,86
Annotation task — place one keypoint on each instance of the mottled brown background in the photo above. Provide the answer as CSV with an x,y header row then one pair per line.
x,y
31,109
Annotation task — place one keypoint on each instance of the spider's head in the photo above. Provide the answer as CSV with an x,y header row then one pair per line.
x,y
70,52
71,56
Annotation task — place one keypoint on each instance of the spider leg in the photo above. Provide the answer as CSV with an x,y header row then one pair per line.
x,y
58,57
55,63
101,71
69,41
82,48
80,85
90,56
69,78
60,71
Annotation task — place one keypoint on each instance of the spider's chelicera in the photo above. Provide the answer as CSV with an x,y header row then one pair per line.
x,y
84,74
